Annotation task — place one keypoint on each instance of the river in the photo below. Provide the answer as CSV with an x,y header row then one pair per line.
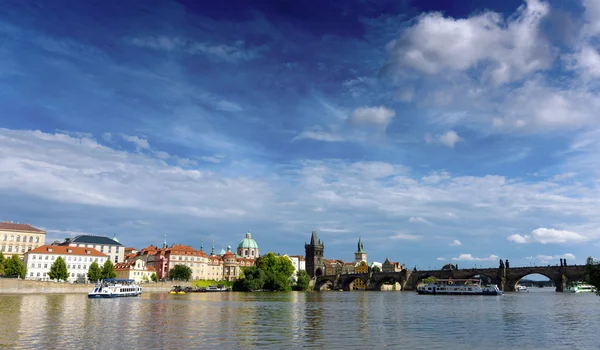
x,y
541,319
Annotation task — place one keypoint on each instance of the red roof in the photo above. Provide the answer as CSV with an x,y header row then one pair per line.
x,y
9,226
66,250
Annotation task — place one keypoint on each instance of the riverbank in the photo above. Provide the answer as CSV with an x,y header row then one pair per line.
x,y
16,286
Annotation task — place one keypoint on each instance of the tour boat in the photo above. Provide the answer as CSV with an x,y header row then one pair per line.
x,y
521,288
216,289
115,288
458,287
580,287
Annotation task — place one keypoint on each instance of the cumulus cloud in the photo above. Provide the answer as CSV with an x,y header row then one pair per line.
x,y
319,135
545,259
469,257
549,235
449,138
455,243
378,116
509,49
139,143
441,259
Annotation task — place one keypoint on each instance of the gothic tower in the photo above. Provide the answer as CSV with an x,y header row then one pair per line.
x,y
360,254
315,265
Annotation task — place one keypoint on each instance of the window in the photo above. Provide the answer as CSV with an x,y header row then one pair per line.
x,y
10,248
18,238
4,237
37,239
38,274
109,249
30,239
12,238
3,248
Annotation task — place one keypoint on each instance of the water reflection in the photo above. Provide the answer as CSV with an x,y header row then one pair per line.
x,y
284,320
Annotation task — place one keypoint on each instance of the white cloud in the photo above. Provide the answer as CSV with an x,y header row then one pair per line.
x,y
319,135
405,237
380,116
508,49
418,220
334,230
545,259
239,51
450,138
139,143
469,257
436,177
441,259
549,235
455,243
78,170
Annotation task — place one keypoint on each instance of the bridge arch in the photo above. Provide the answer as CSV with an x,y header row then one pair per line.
x,y
350,281
397,283
515,278
323,284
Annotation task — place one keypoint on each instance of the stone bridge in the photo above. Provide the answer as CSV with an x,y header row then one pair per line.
x,y
505,278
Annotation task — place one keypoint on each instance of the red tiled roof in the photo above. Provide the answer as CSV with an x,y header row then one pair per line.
x,y
9,226
63,249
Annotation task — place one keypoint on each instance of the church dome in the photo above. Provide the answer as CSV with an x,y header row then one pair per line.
x,y
248,242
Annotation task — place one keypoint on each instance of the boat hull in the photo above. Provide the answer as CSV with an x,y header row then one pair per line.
x,y
459,293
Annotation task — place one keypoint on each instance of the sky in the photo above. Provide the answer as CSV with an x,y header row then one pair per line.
x,y
439,133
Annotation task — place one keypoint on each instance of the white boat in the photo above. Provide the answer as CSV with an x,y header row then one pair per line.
x,y
115,288
521,288
458,287
579,287
216,289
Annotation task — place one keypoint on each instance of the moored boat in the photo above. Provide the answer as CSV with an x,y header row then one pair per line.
x,y
219,288
458,287
580,287
177,290
115,288
521,288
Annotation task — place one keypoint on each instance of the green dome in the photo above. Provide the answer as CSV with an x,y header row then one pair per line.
x,y
248,242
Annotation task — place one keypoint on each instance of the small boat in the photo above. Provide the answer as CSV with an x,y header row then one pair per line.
x,y
115,288
458,287
177,290
219,288
580,287
521,288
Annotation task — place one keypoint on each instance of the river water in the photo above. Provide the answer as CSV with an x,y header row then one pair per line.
x,y
541,319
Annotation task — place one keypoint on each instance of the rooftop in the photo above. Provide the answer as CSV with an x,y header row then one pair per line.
x,y
91,239
10,226
66,250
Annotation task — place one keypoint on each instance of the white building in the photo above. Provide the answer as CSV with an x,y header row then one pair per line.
x,y
106,245
299,263
78,260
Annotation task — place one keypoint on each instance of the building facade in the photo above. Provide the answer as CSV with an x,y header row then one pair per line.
x,y
136,270
78,260
391,266
17,239
299,263
103,244
360,254
315,262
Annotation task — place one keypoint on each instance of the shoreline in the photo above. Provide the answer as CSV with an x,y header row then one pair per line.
x,y
12,286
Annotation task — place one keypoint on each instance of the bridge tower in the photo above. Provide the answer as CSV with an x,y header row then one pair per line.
x,y
360,254
315,266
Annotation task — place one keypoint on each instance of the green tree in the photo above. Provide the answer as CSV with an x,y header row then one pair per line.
x,y
94,273
154,277
108,270
254,279
15,267
2,260
278,270
302,280
375,269
58,270
180,272
592,273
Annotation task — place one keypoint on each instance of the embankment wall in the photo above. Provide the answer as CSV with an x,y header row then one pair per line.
x,y
16,286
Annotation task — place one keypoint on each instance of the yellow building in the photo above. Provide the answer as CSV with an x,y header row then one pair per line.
x,y
135,270
361,267
17,239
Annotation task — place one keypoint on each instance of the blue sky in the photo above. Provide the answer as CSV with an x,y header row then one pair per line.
x,y
438,134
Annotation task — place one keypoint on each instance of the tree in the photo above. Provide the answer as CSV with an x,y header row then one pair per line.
x,y
108,270
180,272
592,273
154,277
376,269
277,270
15,267
302,280
94,273
58,270
2,260
253,279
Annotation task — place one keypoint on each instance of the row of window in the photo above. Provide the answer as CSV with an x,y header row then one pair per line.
x,y
12,238
101,247
44,274
68,258
69,266
10,248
